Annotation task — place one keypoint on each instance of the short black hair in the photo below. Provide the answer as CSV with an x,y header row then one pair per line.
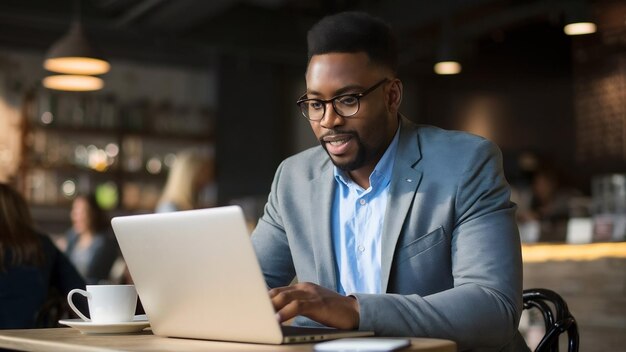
x,y
352,32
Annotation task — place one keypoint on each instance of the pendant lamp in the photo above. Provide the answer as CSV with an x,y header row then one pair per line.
x,y
578,19
72,54
76,60
74,83
447,60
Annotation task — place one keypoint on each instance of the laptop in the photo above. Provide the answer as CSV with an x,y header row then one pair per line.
x,y
198,277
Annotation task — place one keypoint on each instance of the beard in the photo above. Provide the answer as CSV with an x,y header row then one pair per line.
x,y
357,161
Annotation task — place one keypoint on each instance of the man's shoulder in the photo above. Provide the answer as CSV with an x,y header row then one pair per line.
x,y
438,141
310,160
302,168
437,134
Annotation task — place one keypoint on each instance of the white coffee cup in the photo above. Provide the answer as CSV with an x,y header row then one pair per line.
x,y
107,303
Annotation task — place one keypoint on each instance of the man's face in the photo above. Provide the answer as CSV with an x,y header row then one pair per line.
x,y
359,141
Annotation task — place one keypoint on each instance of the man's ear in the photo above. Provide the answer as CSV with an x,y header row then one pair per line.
x,y
394,95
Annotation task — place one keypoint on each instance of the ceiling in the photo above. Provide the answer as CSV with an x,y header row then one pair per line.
x,y
195,31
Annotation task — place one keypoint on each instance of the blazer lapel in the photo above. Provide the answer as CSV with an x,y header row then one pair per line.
x,y
404,183
321,228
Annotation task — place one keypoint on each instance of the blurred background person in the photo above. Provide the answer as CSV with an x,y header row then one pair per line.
x,y
91,245
33,272
189,176
549,205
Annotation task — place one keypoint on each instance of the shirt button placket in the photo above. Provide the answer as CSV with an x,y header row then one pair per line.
x,y
360,248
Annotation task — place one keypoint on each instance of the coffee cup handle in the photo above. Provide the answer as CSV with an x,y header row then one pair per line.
x,y
69,300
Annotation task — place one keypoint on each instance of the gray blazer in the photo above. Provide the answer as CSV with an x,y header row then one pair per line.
x,y
451,261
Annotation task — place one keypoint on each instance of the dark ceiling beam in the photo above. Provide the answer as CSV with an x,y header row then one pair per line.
x,y
511,17
245,28
140,44
466,32
178,16
196,31
136,12
35,21
407,15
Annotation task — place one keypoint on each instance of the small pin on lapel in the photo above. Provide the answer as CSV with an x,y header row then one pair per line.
x,y
409,180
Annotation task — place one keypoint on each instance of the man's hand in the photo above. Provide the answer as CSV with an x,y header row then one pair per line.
x,y
316,303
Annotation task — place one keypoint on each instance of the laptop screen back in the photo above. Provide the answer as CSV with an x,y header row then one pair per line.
x,y
197,275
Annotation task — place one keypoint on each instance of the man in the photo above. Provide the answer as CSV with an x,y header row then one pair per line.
x,y
388,226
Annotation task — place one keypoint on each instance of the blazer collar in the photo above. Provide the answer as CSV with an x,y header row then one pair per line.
x,y
321,228
405,180
408,147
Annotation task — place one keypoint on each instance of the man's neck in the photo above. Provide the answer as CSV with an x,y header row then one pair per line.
x,y
362,176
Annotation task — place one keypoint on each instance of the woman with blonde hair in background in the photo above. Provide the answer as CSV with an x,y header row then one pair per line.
x,y
191,172
31,268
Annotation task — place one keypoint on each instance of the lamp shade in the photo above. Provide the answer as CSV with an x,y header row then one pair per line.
x,y
74,83
447,62
447,67
578,19
579,28
72,54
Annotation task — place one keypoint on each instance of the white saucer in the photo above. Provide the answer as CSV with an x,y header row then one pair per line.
x,y
86,327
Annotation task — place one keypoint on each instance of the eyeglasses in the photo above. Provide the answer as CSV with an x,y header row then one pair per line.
x,y
345,105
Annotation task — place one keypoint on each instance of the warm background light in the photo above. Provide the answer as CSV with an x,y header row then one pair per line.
x,y
447,68
73,83
580,28
537,253
11,146
77,65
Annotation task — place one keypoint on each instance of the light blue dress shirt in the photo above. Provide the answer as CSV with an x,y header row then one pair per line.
x,y
357,225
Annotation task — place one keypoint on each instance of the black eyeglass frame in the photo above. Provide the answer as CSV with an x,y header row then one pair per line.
x,y
334,99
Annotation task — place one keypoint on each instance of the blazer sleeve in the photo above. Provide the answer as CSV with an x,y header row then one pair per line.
x,y
270,241
484,304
